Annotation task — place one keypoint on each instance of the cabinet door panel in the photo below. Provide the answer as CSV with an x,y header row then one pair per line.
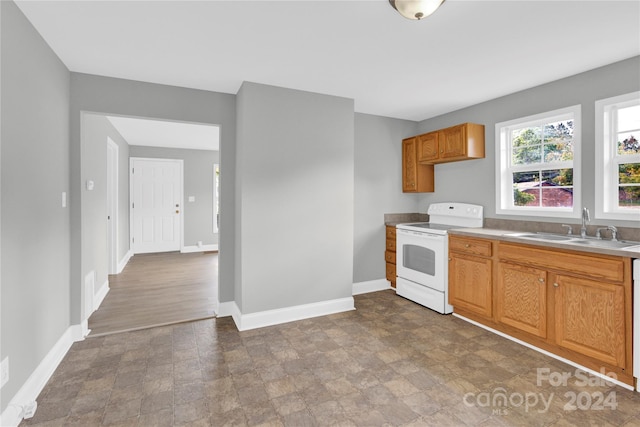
x,y
416,177
470,283
522,298
590,318
409,166
453,142
428,147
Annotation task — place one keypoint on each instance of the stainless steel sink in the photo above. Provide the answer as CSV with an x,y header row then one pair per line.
x,y
541,236
576,240
604,243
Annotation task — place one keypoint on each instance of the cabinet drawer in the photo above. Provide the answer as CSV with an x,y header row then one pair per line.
x,y
391,245
390,257
470,246
391,232
391,272
597,267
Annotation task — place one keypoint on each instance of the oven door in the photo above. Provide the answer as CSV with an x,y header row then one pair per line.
x,y
421,258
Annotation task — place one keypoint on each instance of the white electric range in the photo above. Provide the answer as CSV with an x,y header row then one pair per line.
x,y
422,253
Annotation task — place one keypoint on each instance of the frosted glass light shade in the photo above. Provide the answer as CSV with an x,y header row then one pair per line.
x,y
416,9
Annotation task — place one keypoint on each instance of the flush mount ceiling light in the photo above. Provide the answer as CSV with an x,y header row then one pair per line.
x,y
416,9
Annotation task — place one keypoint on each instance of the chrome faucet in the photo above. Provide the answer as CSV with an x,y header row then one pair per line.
x,y
585,218
611,228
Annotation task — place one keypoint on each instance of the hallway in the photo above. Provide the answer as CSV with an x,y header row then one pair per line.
x,y
158,289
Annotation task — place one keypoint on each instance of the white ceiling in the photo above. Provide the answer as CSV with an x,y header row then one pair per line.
x,y
158,133
465,53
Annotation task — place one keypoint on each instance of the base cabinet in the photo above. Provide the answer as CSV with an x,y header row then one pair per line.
x,y
390,254
590,318
521,298
469,278
574,304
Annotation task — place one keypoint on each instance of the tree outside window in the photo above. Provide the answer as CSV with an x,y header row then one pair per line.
x,y
536,161
618,157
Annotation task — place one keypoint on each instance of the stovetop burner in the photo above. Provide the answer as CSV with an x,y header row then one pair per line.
x,y
428,226
447,216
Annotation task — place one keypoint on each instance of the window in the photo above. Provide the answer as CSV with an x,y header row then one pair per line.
x,y
618,157
538,164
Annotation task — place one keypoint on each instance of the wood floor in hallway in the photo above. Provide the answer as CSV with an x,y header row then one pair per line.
x,y
158,289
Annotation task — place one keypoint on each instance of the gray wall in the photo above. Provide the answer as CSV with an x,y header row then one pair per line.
x,y
473,181
96,129
138,99
198,182
35,172
295,155
378,189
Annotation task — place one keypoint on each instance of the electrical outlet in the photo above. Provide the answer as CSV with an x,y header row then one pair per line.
x,y
4,371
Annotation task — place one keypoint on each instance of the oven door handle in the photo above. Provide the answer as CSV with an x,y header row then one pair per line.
x,y
420,234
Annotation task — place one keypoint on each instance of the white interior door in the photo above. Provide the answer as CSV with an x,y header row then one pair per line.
x,y
112,206
156,205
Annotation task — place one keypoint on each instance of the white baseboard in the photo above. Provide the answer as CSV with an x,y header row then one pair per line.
x,y
546,353
371,286
245,322
12,416
230,308
100,295
79,332
124,261
203,248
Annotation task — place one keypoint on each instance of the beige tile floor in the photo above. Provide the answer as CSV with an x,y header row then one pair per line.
x,y
389,363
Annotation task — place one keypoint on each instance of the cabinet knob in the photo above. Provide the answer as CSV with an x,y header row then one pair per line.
x,y
467,245
541,280
442,151
555,285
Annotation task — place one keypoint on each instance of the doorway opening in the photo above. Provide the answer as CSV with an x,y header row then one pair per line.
x,y
112,206
106,225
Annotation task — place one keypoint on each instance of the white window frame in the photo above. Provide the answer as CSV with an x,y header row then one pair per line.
x,y
504,169
607,160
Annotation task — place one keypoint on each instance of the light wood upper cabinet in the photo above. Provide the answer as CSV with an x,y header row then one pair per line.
x,y
590,318
428,147
416,177
420,153
461,142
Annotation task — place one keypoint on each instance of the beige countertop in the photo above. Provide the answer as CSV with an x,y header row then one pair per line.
x,y
392,220
504,235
